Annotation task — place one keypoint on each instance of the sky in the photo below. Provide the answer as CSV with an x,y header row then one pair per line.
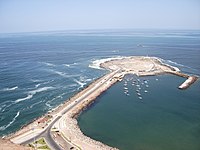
x,y
52,15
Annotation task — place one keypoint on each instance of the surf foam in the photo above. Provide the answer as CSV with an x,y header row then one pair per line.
x,y
48,64
10,89
32,93
10,123
96,63
80,83
63,74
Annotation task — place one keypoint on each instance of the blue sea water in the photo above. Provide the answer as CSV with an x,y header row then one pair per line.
x,y
39,71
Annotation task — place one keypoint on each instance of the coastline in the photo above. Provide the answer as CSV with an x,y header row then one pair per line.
x,y
67,124
72,131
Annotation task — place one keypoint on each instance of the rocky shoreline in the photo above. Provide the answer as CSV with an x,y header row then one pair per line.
x,y
68,125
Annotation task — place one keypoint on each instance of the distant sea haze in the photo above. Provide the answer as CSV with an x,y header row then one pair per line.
x,y
39,71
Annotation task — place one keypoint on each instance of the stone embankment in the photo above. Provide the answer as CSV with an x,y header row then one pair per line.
x,y
188,82
141,66
68,124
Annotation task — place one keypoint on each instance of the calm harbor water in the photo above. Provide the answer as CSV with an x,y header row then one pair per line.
x,y
39,71
165,118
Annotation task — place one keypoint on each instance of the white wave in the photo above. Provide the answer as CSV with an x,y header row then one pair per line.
x,y
85,79
63,74
165,63
10,123
23,99
36,80
2,106
5,105
70,65
48,105
10,89
48,64
35,104
72,85
33,92
80,83
172,62
96,63
88,80
48,102
37,85
40,90
67,65
115,51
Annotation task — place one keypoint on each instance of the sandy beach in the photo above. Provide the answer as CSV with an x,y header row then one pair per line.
x,y
67,124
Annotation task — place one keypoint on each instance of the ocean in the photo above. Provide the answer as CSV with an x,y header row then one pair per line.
x,y
40,70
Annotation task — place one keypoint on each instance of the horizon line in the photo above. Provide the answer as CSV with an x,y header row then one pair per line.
x,y
102,29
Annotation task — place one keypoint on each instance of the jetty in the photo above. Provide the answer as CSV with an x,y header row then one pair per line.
x,y
62,130
188,82
147,66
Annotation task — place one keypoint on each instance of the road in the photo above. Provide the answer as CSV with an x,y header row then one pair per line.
x,y
46,134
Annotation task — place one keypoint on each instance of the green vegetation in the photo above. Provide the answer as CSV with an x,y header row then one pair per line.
x,y
30,145
40,141
44,147
39,144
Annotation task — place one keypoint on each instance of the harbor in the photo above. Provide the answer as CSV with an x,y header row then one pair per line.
x,y
63,119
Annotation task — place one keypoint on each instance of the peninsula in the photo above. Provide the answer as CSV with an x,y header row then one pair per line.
x,y
59,127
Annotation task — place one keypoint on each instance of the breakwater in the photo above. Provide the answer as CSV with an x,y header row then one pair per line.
x,y
190,79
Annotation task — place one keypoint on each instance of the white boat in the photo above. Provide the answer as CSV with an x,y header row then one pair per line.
x,y
125,88
145,91
140,97
139,94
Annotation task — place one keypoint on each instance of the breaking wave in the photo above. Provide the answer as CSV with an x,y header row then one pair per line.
x,y
23,99
10,123
96,63
64,74
10,89
37,85
177,64
35,104
48,64
70,65
57,97
31,93
80,83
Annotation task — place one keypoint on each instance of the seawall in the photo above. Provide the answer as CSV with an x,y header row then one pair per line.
x,y
188,82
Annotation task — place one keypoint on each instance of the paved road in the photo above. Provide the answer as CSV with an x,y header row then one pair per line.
x,y
46,134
